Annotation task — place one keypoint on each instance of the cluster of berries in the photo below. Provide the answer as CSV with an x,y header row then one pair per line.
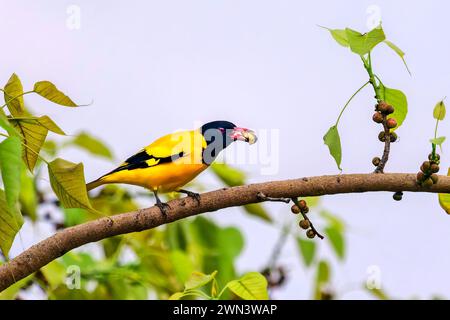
x,y
427,176
305,224
382,110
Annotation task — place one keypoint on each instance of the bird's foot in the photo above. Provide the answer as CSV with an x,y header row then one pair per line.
x,y
193,195
164,207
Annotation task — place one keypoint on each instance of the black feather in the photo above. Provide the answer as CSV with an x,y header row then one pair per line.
x,y
139,161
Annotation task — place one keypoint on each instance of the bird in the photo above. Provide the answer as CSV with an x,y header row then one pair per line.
x,y
173,160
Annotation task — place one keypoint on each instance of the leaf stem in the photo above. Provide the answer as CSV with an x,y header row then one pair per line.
x,y
368,66
349,100
18,96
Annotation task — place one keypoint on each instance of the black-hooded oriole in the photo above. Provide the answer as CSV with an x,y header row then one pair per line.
x,y
173,160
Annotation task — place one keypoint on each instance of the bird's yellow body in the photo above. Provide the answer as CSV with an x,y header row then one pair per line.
x,y
166,165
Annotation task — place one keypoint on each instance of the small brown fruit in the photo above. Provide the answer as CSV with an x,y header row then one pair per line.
x,y
383,107
427,183
382,136
425,166
302,204
435,178
398,196
295,209
376,161
391,123
420,176
377,117
304,224
437,157
393,137
434,168
305,210
390,109
310,233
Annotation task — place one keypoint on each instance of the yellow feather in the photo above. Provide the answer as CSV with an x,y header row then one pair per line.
x,y
166,176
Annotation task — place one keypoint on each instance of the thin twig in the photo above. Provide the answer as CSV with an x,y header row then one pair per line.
x,y
387,147
261,196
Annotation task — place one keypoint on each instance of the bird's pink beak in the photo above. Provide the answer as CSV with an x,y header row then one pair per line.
x,y
243,134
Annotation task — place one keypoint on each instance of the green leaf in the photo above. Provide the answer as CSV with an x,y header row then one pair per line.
x,y
92,145
231,240
336,238
439,111
340,35
333,220
363,43
252,286
307,249
11,292
14,89
182,265
398,100
444,198
68,183
399,52
49,91
33,136
28,195
176,296
322,278
74,216
230,176
257,210
333,141
4,123
55,273
198,279
10,166
10,223
438,141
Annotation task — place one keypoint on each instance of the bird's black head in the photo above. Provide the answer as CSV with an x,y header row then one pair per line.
x,y
220,134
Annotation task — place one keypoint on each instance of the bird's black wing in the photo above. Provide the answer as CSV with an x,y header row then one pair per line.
x,y
140,161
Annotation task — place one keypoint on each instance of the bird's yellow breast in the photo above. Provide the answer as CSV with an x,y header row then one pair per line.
x,y
163,178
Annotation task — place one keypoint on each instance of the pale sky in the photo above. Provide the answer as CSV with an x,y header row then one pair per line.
x,y
152,67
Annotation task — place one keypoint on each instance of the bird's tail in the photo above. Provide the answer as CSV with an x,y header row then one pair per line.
x,y
94,184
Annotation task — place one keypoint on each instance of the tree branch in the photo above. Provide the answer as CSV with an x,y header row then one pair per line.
x,y
37,256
